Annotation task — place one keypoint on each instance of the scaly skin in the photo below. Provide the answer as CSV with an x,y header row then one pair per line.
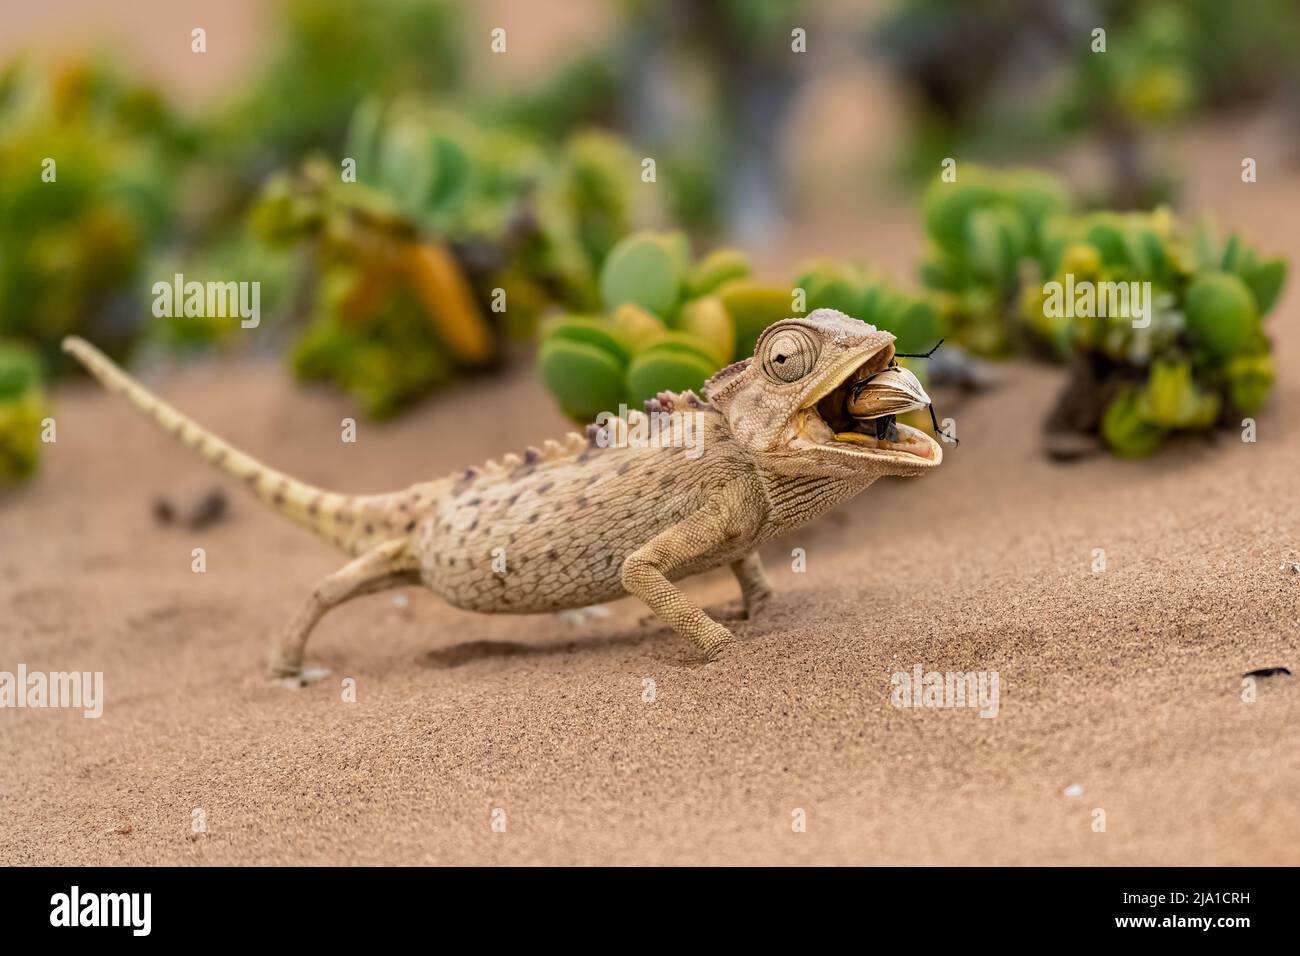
x,y
598,517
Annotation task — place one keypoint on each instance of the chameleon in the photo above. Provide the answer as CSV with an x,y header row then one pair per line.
x,y
609,513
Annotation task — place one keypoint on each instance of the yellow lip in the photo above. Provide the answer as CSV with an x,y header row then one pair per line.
x,y
895,450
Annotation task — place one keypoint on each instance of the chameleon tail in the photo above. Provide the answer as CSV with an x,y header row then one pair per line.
x,y
338,518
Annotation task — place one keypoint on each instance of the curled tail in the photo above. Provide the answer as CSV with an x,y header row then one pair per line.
x,y
347,520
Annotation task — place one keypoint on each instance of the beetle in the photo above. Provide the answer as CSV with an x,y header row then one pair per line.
x,y
891,392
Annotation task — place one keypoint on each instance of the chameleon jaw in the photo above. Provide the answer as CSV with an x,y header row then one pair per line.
x,y
825,424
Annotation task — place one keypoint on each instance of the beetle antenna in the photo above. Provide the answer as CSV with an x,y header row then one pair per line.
x,y
919,354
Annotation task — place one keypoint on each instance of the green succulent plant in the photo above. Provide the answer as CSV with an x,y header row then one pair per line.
x,y
22,409
648,270
982,228
86,190
671,323
476,227
1196,358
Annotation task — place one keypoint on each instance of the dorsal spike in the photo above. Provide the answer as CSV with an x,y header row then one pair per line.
x,y
573,445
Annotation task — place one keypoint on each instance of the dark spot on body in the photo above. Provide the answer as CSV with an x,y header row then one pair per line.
x,y
410,526
543,489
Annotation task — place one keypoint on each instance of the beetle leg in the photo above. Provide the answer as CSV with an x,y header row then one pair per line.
x,y
935,422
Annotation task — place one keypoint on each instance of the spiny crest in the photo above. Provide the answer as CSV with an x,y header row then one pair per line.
x,y
597,436
673,401
573,445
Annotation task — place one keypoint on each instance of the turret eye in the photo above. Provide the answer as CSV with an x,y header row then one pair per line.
x,y
790,355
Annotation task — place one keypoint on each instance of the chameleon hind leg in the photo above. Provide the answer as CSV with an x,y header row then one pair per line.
x,y
387,566
755,589
645,574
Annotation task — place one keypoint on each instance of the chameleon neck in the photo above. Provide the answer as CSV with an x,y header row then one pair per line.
x,y
793,501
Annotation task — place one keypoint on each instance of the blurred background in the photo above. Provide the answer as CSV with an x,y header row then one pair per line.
x,y
621,194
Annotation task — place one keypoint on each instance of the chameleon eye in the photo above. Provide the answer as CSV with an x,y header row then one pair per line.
x,y
789,355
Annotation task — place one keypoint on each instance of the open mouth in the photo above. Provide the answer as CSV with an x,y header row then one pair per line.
x,y
826,421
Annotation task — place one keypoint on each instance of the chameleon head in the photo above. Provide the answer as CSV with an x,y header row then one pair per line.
x,y
790,403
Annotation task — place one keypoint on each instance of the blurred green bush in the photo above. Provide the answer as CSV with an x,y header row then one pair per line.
x,y
981,229
453,238
998,79
22,410
328,56
87,171
671,321
1197,358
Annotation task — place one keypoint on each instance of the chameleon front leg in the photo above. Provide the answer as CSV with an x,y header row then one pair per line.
x,y
755,589
388,565
645,575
